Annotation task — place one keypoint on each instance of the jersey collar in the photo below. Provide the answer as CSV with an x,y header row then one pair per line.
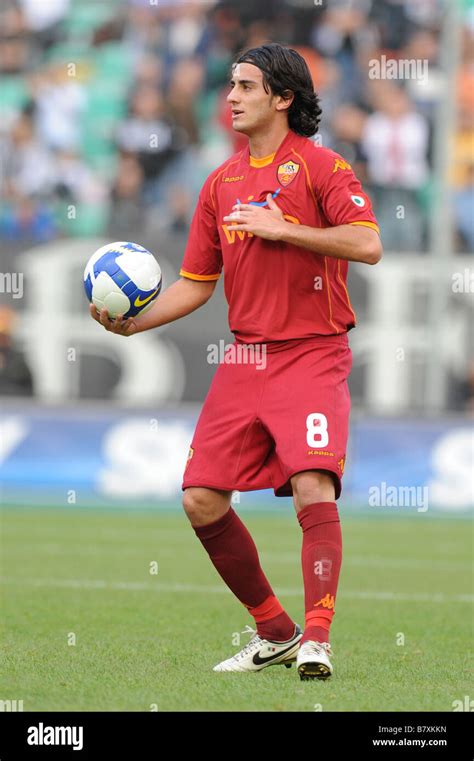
x,y
266,160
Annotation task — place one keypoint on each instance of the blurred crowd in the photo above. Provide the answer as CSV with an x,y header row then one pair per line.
x,y
114,111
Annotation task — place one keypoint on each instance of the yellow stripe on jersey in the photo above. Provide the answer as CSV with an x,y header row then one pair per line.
x,y
192,276
224,169
346,291
328,282
367,224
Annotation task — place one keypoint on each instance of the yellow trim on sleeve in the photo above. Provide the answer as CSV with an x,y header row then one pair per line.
x,y
258,163
192,276
367,224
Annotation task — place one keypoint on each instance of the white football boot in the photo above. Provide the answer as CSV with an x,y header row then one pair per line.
x,y
312,660
260,653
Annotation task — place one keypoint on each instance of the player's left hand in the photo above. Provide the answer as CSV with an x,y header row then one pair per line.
x,y
266,223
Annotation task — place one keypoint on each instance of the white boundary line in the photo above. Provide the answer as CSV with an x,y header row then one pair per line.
x,y
364,561
143,586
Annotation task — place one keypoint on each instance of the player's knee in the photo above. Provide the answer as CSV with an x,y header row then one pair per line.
x,y
194,503
203,506
312,486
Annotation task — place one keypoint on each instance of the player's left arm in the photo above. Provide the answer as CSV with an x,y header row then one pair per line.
x,y
353,234
355,243
352,242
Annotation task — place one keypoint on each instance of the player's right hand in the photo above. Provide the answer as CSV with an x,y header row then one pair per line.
x,y
117,325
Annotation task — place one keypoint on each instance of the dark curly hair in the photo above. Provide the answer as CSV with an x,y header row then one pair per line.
x,y
285,70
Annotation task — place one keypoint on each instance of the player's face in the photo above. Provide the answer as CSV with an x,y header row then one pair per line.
x,y
252,107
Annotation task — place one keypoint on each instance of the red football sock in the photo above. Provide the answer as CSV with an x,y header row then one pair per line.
x,y
234,555
321,556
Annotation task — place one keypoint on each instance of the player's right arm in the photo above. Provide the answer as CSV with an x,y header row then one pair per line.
x,y
180,299
200,271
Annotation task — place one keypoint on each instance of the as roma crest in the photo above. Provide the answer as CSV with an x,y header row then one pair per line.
x,y
287,172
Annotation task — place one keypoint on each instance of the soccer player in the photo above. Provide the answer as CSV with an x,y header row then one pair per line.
x,y
282,218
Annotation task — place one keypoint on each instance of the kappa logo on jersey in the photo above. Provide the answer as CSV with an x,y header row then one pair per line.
x,y
340,164
286,173
233,179
327,602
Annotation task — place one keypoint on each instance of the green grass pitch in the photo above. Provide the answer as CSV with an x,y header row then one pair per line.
x,y
147,641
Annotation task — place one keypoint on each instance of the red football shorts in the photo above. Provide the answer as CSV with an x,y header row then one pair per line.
x,y
258,427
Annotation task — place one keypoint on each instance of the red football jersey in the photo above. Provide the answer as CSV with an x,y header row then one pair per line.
x,y
277,291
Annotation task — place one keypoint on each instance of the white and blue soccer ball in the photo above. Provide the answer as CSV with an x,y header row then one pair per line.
x,y
123,277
